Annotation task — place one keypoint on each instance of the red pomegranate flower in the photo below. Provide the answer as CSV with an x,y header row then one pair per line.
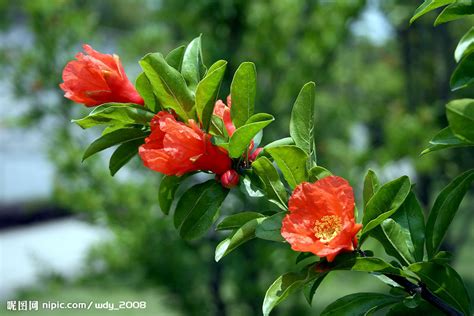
x,y
223,112
97,78
230,179
176,148
321,218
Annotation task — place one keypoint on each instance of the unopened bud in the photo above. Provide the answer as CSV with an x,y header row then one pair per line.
x,y
230,179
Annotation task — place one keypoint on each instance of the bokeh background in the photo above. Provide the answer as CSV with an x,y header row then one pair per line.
x,y
69,232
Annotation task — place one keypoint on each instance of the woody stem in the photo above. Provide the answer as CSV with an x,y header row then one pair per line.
x,y
424,292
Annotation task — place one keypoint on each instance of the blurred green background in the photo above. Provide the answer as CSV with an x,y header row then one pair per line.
x,y
381,90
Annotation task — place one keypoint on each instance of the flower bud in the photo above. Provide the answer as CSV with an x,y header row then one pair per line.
x,y
230,179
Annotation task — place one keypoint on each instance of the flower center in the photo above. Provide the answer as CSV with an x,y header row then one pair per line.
x,y
327,227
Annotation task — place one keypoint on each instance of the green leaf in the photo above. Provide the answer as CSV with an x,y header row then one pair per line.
x,y
197,209
243,234
270,228
240,140
251,185
274,188
243,90
423,308
465,45
384,203
405,230
454,11
279,142
445,138
193,68
207,92
145,90
123,154
114,138
310,288
318,173
362,264
359,304
168,85
302,119
292,162
445,283
427,6
444,210
371,185
460,115
175,57
167,191
285,285
116,114
463,75
237,220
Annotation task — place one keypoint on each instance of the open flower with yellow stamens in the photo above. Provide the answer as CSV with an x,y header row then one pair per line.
x,y
321,218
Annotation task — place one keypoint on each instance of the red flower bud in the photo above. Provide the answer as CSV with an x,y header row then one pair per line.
x,y
230,179
96,78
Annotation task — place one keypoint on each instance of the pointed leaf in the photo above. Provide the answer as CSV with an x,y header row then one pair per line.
x,y
465,45
167,191
145,90
193,68
371,185
292,162
168,85
384,203
359,304
427,6
444,210
114,138
243,91
197,209
123,154
207,92
454,11
240,140
274,188
460,115
237,220
175,57
463,75
445,283
445,138
302,119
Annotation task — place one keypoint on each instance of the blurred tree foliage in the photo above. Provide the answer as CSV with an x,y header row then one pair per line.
x,y
378,103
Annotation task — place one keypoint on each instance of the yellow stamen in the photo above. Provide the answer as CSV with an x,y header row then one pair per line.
x,y
327,228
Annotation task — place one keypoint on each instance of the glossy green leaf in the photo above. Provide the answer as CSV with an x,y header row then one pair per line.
x,y
168,85
175,57
243,90
197,209
445,283
302,119
237,220
362,264
456,10
145,90
292,162
427,6
318,173
445,138
423,308
207,92
167,191
240,140
463,75
460,115
274,188
116,114
123,154
465,45
280,142
359,304
405,230
193,68
444,210
270,228
310,288
251,185
243,234
371,185
285,285
385,202
114,138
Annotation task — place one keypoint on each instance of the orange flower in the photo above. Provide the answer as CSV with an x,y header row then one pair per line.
x,y
97,78
176,148
321,218
223,112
